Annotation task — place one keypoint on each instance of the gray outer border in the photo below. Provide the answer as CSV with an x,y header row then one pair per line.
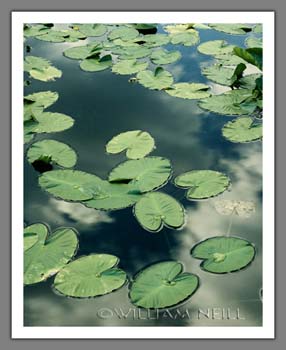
x,y
5,147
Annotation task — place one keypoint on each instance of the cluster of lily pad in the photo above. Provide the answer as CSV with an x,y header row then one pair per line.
x,y
127,50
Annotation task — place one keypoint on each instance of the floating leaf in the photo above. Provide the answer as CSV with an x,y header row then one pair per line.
x,y
252,55
186,39
215,47
231,28
137,144
190,91
145,174
49,254
82,52
71,185
254,42
91,29
95,63
35,104
249,82
30,239
124,33
48,122
60,36
158,80
224,254
257,28
179,28
228,103
154,40
51,151
242,130
90,276
203,183
243,209
224,75
41,69
35,30
164,56
131,52
156,209
162,285
129,67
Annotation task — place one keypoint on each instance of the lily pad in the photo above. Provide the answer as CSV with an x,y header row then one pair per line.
x,y
95,63
224,254
60,36
254,42
82,52
91,29
155,40
242,130
158,80
257,28
124,33
51,151
164,56
49,254
249,82
35,30
131,52
228,103
30,239
35,104
203,184
129,67
48,122
224,75
215,47
232,28
137,144
187,38
179,28
162,285
252,55
191,91
41,69
71,185
145,174
155,210
243,209
90,276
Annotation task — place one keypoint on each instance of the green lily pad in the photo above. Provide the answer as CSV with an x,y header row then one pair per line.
x,y
30,239
51,151
187,38
232,28
90,276
158,80
155,210
228,103
49,254
131,52
91,29
253,42
203,184
41,69
60,36
48,122
35,104
257,28
215,47
137,144
179,28
252,55
224,75
129,67
224,254
191,91
82,52
95,63
243,209
35,30
145,174
249,81
162,285
164,56
242,130
155,40
71,185
124,33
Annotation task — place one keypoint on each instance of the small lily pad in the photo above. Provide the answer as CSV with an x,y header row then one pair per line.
x,y
49,254
257,28
224,254
91,29
95,63
145,174
155,40
90,276
164,56
158,80
124,33
189,38
82,52
155,210
203,183
253,42
232,28
179,28
41,69
51,151
48,122
215,47
137,144
242,130
129,67
34,104
191,91
60,36
162,285
35,30
243,209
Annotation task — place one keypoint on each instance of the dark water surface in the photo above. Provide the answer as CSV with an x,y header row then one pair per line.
x,y
104,104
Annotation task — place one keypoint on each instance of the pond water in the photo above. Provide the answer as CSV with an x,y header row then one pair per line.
x,y
103,105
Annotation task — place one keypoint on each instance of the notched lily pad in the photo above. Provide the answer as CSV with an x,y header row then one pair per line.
x,y
90,276
160,79
224,254
82,52
162,285
124,33
137,144
155,210
242,130
91,29
155,40
95,63
191,91
164,56
215,47
129,67
203,183
232,28
41,69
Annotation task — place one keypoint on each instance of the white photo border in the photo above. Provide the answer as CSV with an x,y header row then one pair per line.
x,y
267,330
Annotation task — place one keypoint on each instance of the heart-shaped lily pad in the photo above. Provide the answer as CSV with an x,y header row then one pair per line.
x,y
155,210
203,183
48,122
154,40
145,174
231,28
34,104
191,91
90,276
224,75
35,30
242,130
137,144
189,38
124,33
158,80
41,69
224,254
91,29
164,56
82,52
162,285
49,254
129,67
95,63
60,36
215,47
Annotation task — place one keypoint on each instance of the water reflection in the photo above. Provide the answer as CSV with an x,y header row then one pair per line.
x,y
104,104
